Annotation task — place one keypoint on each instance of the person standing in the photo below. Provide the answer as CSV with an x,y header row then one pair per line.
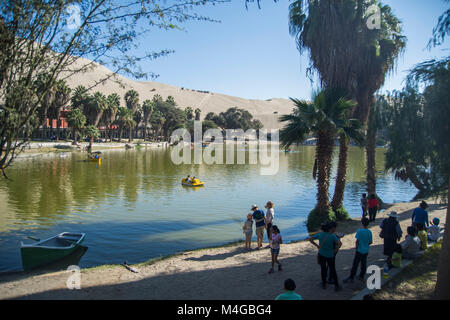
x,y
364,202
391,232
363,242
248,231
420,215
275,248
372,205
269,220
260,224
328,246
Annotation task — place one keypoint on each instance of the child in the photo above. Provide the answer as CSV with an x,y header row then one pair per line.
x,y
275,247
422,234
434,232
248,231
289,287
397,256
363,241
364,205
411,245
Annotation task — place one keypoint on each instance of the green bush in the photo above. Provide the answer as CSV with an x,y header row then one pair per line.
x,y
315,219
341,213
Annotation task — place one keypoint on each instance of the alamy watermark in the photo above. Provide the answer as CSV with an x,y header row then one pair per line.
x,y
209,147
74,280
74,19
373,14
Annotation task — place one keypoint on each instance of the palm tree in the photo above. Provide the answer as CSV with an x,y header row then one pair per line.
x,y
91,132
61,98
189,113
109,114
326,117
132,103
197,114
346,53
43,84
76,120
147,108
125,121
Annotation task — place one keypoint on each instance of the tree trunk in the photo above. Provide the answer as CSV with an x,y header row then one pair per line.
x,y
442,290
324,151
129,136
338,196
412,176
75,136
58,123
370,158
120,134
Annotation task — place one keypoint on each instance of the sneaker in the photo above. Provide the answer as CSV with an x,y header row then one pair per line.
x,y
271,270
349,279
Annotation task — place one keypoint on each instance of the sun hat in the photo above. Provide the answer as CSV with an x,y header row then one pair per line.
x,y
393,214
436,221
254,207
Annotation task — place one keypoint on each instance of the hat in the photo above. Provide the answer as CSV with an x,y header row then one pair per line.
x,y
393,214
436,221
254,207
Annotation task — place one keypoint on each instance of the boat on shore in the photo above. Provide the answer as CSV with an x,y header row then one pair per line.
x,y
44,252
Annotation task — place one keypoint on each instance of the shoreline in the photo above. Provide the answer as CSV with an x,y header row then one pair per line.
x,y
217,272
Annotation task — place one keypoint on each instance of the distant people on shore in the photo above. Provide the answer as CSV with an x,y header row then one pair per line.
x,y
260,224
289,294
275,248
328,246
391,232
420,215
411,244
434,231
372,205
269,220
248,231
422,235
363,241
364,203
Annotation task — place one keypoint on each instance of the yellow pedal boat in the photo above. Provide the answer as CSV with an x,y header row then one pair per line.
x,y
195,183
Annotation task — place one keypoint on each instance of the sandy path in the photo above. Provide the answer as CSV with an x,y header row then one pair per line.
x,y
220,273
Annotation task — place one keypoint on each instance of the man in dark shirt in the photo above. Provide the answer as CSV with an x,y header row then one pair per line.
x,y
258,216
420,215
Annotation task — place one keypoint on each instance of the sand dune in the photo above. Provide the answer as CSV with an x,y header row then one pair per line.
x,y
266,111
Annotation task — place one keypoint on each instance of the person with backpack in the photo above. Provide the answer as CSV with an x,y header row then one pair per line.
x,y
260,224
391,232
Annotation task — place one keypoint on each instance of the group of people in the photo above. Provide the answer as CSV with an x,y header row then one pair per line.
x,y
418,234
369,206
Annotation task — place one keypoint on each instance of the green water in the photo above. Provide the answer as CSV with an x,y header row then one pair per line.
x,y
132,207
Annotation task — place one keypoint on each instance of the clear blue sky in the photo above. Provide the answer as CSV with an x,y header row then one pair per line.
x,y
250,53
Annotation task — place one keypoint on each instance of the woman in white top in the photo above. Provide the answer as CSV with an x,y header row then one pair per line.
x,y
269,219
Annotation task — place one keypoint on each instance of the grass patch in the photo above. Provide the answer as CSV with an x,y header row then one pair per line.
x,y
416,281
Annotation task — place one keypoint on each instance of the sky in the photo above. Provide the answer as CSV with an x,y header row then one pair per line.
x,y
250,53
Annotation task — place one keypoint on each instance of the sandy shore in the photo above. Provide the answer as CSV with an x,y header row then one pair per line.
x,y
220,273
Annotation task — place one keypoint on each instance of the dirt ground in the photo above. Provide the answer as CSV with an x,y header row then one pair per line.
x,y
220,273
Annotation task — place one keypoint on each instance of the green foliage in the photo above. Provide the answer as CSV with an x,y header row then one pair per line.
x,y
91,132
341,213
76,119
235,118
316,218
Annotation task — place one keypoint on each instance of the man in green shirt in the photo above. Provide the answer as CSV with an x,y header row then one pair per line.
x,y
289,286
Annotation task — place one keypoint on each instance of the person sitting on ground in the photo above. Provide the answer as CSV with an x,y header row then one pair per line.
x,y
397,256
328,246
420,215
434,231
275,248
363,241
411,245
422,235
248,231
260,224
364,202
289,294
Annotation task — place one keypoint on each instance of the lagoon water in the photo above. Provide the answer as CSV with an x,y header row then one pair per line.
x,y
132,207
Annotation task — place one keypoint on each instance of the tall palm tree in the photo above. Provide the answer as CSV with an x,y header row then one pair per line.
x,y
43,84
346,53
125,121
197,114
147,109
132,103
326,117
61,98
109,114
76,120
94,107
189,113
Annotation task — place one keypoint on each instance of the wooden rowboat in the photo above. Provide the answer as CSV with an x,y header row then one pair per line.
x,y
43,252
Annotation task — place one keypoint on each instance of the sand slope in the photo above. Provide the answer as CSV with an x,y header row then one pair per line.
x,y
220,273
206,102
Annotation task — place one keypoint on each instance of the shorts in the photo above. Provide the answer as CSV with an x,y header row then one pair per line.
x,y
260,231
275,251
248,233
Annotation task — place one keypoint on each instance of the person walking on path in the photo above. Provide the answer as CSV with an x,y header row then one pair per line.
x,y
391,232
363,241
275,248
328,246
420,215
269,220
364,202
372,205
289,294
260,224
